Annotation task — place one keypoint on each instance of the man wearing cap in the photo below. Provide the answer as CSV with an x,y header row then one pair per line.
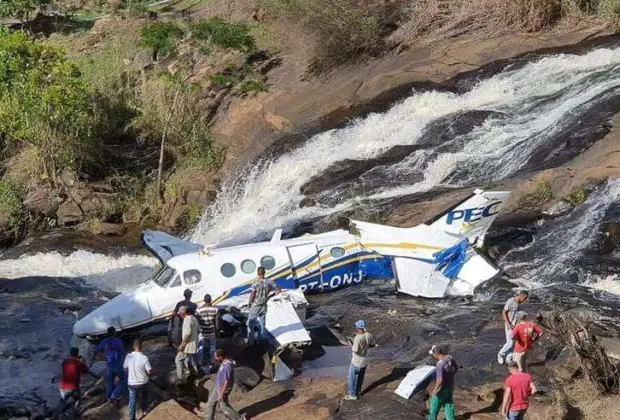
x,y
442,393
361,343
517,391
509,315
524,335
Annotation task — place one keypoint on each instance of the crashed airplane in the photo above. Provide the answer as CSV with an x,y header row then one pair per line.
x,y
428,260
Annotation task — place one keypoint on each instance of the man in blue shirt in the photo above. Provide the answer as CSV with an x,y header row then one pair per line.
x,y
221,391
114,351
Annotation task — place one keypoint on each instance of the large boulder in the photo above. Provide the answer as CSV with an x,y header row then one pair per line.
x,y
43,201
69,213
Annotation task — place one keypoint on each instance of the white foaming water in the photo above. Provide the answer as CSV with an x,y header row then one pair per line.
x,y
98,270
535,101
550,258
609,284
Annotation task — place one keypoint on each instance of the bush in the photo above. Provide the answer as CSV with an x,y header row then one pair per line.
x,y
161,37
224,34
254,85
20,9
46,104
11,210
187,136
577,196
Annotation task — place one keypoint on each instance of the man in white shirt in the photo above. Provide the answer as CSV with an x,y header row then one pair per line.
x,y
186,355
138,369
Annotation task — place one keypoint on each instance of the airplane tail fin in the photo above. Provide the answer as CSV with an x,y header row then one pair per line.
x,y
473,217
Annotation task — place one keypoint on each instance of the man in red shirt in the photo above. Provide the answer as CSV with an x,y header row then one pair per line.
x,y
519,388
525,334
72,369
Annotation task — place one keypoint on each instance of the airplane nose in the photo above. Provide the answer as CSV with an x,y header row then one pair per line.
x,y
122,312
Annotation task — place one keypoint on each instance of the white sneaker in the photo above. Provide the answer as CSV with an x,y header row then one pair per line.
x,y
350,397
500,358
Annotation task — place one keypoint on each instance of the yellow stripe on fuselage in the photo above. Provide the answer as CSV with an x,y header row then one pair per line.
x,y
402,245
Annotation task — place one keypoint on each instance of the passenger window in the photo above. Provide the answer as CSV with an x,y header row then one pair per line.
x,y
192,277
337,252
228,270
248,266
176,282
268,262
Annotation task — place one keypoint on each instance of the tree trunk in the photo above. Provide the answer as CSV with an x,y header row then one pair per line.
x,y
162,146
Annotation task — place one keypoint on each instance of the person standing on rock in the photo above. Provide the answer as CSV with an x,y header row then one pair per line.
x,y
175,325
223,387
72,370
361,343
186,354
524,334
207,316
260,291
518,388
114,351
443,391
138,369
509,315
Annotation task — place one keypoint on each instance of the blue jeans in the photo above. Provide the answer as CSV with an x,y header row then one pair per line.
x,y
113,371
516,415
206,342
138,392
507,349
356,379
256,324
68,398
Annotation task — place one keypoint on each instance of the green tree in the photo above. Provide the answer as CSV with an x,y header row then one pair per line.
x,y
20,9
46,104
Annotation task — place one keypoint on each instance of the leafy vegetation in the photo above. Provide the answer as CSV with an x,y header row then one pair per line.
x,y
577,196
224,34
46,105
20,9
11,210
161,37
244,77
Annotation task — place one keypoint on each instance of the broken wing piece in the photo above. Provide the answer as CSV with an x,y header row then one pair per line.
x,y
164,246
284,316
416,379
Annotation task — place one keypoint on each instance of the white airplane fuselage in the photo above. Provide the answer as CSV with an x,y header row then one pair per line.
x,y
311,263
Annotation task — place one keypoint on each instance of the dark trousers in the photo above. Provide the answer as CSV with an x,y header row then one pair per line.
x,y
68,398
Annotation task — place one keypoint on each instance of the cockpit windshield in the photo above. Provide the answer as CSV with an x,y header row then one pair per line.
x,y
164,276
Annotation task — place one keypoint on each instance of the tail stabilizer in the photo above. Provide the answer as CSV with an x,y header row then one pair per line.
x,y
473,217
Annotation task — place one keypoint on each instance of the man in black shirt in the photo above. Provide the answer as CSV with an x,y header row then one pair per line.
x,y
176,323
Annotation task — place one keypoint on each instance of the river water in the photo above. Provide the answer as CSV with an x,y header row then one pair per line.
x,y
534,114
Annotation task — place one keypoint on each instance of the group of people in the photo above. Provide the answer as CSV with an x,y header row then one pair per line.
x,y
192,331
521,333
123,372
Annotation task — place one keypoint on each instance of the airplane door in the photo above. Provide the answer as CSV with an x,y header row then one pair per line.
x,y
305,260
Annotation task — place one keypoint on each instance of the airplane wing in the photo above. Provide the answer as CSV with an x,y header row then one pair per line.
x,y
164,246
284,316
